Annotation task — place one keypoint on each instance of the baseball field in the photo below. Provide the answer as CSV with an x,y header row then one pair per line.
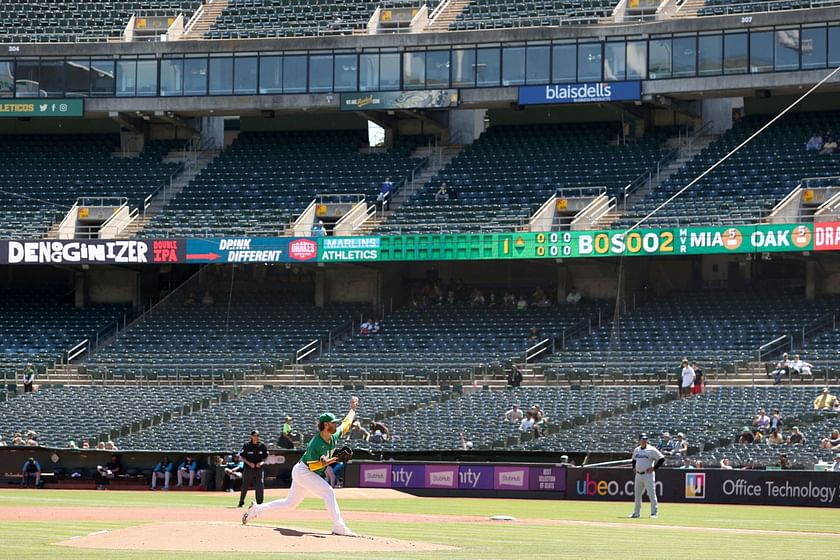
x,y
191,525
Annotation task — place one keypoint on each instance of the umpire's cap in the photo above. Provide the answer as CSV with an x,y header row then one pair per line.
x,y
643,436
327,417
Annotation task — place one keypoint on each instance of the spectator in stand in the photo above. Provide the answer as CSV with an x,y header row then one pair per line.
x,y
800,367
383,430
686,379
534,335
466,445
541,427
825,400
514,377
784,462
319,230
680,446
285,441
3,442
509,300
17,439
527,423
761,421
829,146
365,327
28,378
746,436
514,415
163,470
234,468
477,298
666,444
357,432
797,437
687,464
775,438
450,297
573,297
726,464
832,441
814,144
758,437
491,302
522,304
565,462
699,383
31,470
776,420
383,199
187,469
536,412
110,445
374,327
207,300
835,467
85,444
107,472
101,446
540,298
32,440
442,194
782,369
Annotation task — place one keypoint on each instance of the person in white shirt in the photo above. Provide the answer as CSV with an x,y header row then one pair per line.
x,y
514,414
801,367
836,465
646,459
573,296
527,423
687,379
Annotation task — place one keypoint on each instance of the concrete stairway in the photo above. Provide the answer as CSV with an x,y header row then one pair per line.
x,y
203,20
448,14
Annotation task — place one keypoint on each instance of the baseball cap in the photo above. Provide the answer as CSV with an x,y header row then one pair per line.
x,y
288,417
795,428
255,433
564,457
327,417
666,434
745,429
643,436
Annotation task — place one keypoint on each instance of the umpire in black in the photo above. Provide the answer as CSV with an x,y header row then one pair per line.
x,y
254,453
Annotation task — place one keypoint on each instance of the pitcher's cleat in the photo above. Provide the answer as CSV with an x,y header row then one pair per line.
x,y
345,532
251,513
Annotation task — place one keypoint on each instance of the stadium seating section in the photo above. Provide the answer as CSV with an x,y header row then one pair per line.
x,y
494,14
68,21
716,328
446,343
512,170
724,7
265,179
249,327
39,326
749,184
250,19
44,175
63,414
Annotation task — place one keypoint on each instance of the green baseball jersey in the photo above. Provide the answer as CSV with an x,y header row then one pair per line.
x,y
318,448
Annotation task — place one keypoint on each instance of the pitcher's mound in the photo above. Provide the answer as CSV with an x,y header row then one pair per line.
x,y
220,536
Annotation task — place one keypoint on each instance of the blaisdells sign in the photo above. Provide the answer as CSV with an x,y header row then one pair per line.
x,y
42,108
420,99
590,92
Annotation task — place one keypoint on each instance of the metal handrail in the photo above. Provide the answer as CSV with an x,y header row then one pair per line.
x,y
538,349
307,350
581,192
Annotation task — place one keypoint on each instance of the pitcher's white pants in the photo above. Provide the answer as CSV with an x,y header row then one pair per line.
x,y
645,482
305,481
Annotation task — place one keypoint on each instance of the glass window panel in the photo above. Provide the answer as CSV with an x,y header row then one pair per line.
x,y
389,71
414,70
463,68
171,76
488,67
294,74
320,72
564,64
245,75
834,46
7,78
761,51
813,47
221,76
787,49
52,78
147,81
614,61
368,72
660,59
102,80
538,64
735,53
684,56
710,55
27,80
126,78
636,60
346,72
271,74
513,66
589,62
195,76
78,76
437,69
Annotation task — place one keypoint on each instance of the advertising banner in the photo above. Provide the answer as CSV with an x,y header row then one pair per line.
x,y
827,236
251,250
129,251
517,478
418,99
589,92
42,108
348,249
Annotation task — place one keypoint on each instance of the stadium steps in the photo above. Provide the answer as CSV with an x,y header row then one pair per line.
x,y
688,9
203,19
447,15
435,166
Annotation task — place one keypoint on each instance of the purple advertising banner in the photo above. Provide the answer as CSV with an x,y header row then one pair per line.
x,y
548,479
408,476
511,478
474,477
377,475
441,476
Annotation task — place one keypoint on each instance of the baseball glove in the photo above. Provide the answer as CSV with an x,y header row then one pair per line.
x,y
344,454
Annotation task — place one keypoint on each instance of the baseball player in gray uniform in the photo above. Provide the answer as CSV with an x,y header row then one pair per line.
x,y
646,459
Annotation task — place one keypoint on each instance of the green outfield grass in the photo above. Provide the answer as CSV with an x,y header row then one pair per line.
x,y
596,530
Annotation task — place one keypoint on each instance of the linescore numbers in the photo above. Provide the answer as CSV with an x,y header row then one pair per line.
x,y
582,244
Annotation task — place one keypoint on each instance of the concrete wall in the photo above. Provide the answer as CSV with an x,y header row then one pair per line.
x,y
349,283
110,285
719,113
